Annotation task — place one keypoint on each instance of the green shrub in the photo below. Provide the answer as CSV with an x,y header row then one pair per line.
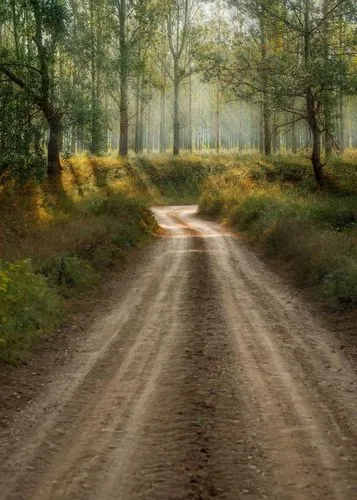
x,y
178,178
333,212
69,274
128,220
70,240
211,204
314,233
340,285
28,307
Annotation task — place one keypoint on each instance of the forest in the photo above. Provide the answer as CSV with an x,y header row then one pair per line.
x,y
178,249
247,107
115,77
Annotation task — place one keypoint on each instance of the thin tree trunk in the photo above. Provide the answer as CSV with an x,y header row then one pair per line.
x,y
342,141
94,145
328,112
124,124
311,105
294,145
261,131
276,135
163,120
316,157
267,126
218,118
189,145
163,110
176,124
149,129
137,113
55,132
328,130
266,103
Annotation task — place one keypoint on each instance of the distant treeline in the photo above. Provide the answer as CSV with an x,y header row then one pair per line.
x,y
164,75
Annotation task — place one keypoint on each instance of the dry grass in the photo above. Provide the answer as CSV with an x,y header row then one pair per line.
x,y
276,203
57,247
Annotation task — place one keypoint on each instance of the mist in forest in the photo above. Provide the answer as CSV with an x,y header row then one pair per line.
x,y
175,75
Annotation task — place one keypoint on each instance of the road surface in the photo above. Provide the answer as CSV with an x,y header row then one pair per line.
x,y
208,379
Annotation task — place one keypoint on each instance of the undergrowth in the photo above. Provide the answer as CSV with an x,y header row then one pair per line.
x,y
313,232
28,307
55,248
180,179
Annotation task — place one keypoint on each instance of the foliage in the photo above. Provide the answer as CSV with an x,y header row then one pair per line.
x,y
313,233
69,274
54,249
178,179
28,308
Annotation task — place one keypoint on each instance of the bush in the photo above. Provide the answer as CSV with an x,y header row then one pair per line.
x,y
28,307
314,233
340,285
60,246
128,220
178,179
69,274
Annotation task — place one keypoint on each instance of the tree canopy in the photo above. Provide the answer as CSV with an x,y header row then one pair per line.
x,y
128,75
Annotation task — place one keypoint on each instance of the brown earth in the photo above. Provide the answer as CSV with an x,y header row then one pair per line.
x,y
203,377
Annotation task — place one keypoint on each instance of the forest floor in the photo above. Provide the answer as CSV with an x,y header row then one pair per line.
x,y
199,374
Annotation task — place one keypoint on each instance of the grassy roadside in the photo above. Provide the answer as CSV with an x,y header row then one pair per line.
x,y
313,233
52,250
177,180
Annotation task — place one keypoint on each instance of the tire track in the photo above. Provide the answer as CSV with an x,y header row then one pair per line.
x,y
294,415
207,380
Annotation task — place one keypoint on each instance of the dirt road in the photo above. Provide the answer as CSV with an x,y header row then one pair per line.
x,y
208,379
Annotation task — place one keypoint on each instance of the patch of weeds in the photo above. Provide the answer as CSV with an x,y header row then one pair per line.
x,y
69,274
28,307
313,232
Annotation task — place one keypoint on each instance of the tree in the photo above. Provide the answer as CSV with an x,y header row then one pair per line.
x,y
301,71
179,24
313,72
36,81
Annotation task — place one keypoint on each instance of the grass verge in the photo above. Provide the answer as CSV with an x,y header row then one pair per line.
x,y
54,249
313,233
176,180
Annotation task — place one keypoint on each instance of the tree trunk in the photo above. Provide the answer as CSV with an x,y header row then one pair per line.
x,y
218,118
261,131
54,163
163,120
266,103
328,111
267,126
149,129
137,113
176,145
294,145
124,70
328,129
124,125
316,157
276,135
95,142
189,145
141,123
311,104
342,141
316,139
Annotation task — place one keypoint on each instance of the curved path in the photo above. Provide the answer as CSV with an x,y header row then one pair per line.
x,y
208,379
